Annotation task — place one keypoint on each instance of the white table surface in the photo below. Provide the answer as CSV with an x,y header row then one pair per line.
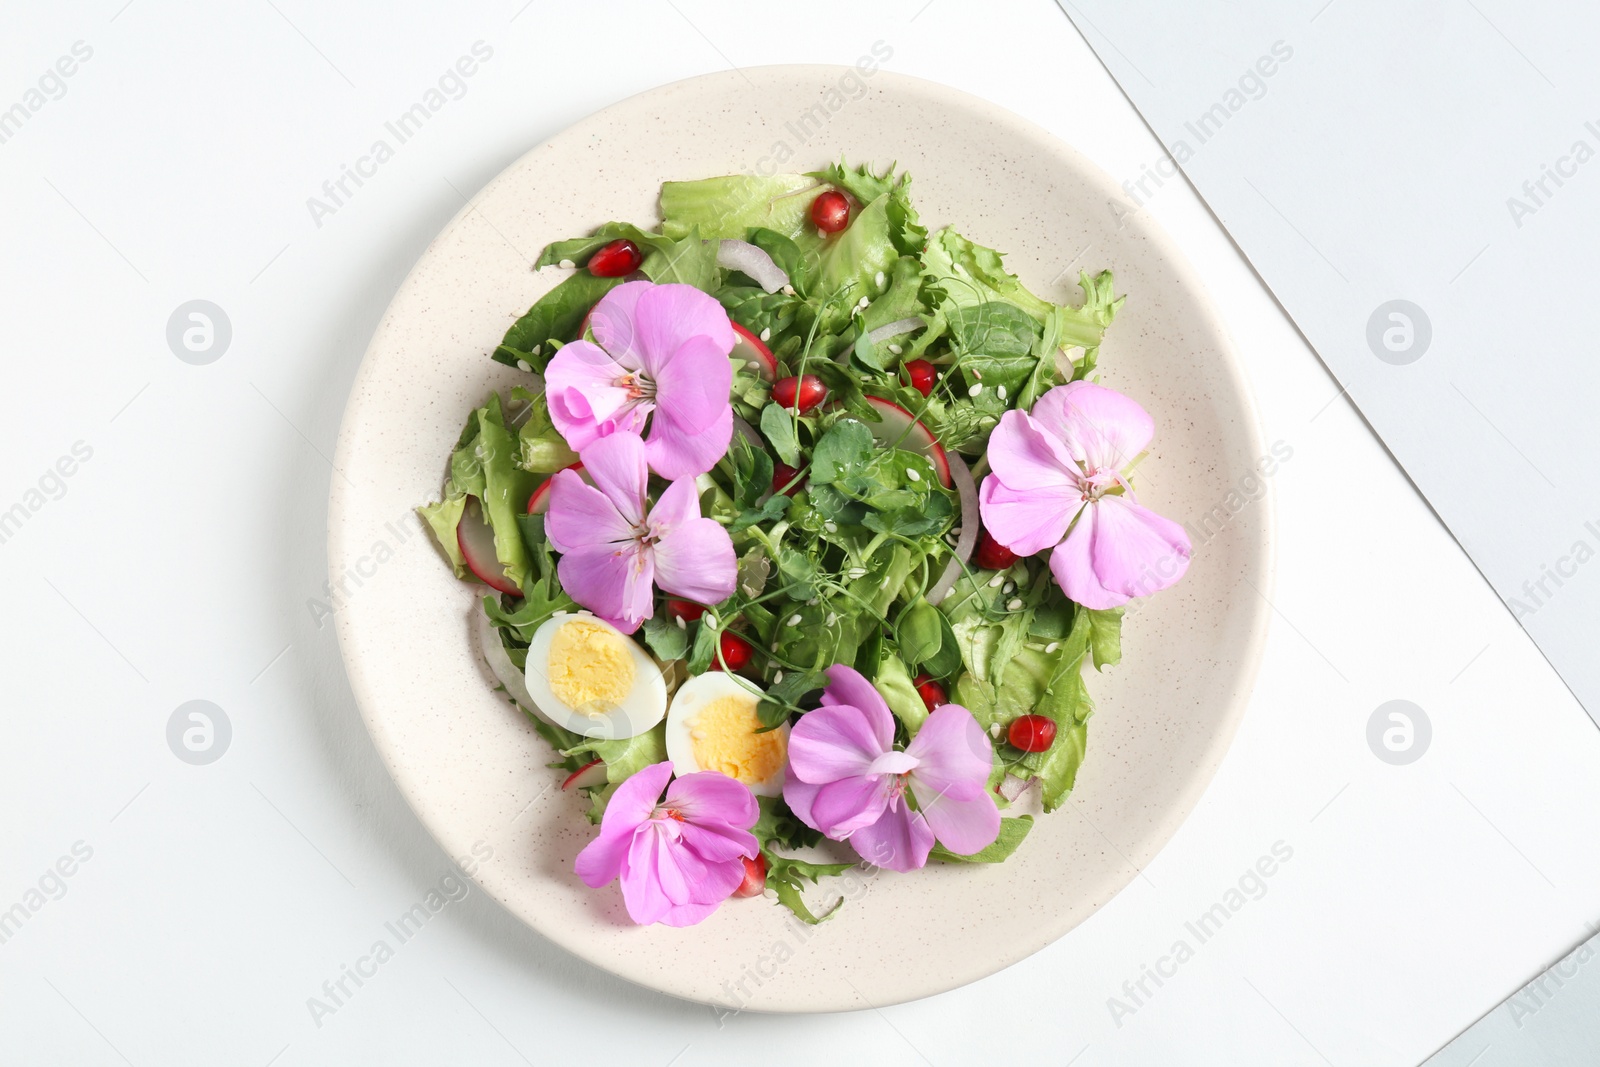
x,y
178,561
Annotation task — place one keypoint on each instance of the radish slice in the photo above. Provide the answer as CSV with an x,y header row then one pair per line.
x,y
894,329
753,260
968,521
749,433
539,502
899,428
500,665
751,350
588,776
1011,787
476,538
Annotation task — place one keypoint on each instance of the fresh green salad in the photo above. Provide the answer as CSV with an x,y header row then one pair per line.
x,y
805,523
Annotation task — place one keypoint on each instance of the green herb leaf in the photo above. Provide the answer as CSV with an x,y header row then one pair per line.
x,y
778,427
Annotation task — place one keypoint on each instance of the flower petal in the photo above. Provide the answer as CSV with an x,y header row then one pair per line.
x,y
677,453
615,584
1135,551
830,743
692,386
951,750
963,824
1024,455
1027,520
800,796
629,808
581,516
616,465
849,687
844,806
665,316
689,914
696,561
900,840
1101,427
708,798
1071,565
611,322
584,397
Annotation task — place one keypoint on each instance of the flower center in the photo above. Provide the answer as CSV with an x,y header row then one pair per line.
x,y
638,386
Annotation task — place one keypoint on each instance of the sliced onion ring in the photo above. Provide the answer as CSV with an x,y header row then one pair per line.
x,y
894,329
968,494
753,260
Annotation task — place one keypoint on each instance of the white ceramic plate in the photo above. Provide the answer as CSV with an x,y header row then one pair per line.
x,y
475,772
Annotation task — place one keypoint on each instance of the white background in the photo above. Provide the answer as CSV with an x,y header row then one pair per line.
x,y
179,562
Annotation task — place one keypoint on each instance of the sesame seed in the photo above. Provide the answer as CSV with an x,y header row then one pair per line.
x,y
754,364
523,364
558,614
1000,391
994,583
975,390
794,620
711,621
811,603
994,731
856,572
566,264
833,617
766,333
896,349
777,677
788,290
537,349
822,234
913,475
831,526
682,625
879,279
1051,647
698,735
863,302
1014,604
978,374
1011,587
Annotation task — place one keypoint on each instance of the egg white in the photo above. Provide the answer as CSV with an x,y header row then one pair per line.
x,y
644,705
692,697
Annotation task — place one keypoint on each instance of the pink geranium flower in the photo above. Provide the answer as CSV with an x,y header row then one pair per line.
x,y
847,780
678,858
1058,483
659,349
616,548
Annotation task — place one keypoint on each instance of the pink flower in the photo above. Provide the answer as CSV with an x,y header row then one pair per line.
x,y
657,348
847,780
679,858
616,548
1061,464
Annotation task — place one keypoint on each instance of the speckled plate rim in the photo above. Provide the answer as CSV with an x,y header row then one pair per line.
x,y
344,534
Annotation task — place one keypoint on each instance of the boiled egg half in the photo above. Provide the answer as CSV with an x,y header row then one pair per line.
x,y
591,678
712,726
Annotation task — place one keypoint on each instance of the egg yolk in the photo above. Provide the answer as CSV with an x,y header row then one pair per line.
x,y
590,667
724,739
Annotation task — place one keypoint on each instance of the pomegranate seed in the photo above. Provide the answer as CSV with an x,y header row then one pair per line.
x,y
799,394
755,877
1032,733
782,475
687,610
992,555
830,211
615,259
931,692
922,376
736,652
